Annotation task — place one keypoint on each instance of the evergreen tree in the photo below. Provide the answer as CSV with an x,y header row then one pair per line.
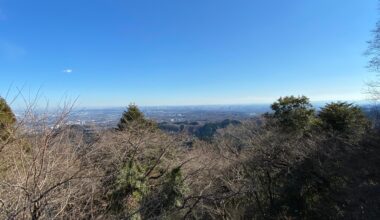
x,y
129,188
133,115
7,119
293,113
343,119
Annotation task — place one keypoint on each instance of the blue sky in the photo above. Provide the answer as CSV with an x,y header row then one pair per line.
x,y
185,52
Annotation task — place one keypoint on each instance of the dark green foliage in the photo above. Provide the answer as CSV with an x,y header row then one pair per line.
x,y
204,132
173,189
166,198
293,113
133,116
207,131
343,119
373,115
337,181
7,119
279,175
309,176
129,188
173,128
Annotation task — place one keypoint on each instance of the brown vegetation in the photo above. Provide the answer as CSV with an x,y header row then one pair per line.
x,y
254,170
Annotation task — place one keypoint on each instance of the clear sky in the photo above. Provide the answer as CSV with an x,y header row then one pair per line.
x,y
178,52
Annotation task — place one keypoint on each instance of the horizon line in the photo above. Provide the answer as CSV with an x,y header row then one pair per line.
x,y
317,103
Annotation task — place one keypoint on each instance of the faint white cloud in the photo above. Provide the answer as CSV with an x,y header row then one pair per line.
x,y
67,71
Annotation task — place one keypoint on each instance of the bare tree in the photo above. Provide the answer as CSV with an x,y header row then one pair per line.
x,y
373,52
42,172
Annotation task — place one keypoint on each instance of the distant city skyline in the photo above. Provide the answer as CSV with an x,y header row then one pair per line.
x,y
200,52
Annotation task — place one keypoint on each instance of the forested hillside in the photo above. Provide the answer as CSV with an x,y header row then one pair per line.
x,y
293,163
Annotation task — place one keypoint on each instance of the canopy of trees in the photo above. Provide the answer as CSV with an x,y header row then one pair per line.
x,y
256,169
7,119
344,119
293,113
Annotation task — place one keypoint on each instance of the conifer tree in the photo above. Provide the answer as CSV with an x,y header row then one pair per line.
x,y
343,119
293,113
7,119
133,115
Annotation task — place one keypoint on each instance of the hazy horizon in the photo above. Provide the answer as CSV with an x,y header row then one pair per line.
x,y
159,53
19,107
